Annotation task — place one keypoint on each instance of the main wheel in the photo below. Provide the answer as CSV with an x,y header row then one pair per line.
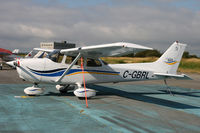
x,y
64,88
63,91
80,93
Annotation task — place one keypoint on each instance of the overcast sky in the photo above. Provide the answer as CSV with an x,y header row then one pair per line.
x,y
154,23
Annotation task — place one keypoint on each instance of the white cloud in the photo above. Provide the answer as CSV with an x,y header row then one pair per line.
x,y
25,24
35,31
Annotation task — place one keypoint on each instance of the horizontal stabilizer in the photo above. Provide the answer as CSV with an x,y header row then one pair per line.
x,y
175,76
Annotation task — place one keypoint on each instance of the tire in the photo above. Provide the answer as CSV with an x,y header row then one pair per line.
x,y
81,98
63,91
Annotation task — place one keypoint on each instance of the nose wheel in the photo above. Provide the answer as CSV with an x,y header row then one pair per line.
x,y
33,90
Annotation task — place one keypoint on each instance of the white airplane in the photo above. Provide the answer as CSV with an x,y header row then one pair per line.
x,y
63,67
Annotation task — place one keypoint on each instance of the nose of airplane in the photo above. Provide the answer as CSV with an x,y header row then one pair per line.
x,y
11,63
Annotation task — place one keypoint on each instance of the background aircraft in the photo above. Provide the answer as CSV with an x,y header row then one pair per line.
x,y
5,55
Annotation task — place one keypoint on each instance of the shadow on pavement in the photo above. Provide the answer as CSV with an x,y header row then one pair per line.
x,y
102,90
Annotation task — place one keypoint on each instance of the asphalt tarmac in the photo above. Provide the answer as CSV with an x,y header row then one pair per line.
x,y
140,107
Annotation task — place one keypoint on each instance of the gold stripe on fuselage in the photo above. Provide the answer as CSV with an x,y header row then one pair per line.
x,y
93,73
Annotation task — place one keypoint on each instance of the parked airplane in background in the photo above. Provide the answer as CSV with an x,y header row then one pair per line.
x,y
16,51
75,67
6,55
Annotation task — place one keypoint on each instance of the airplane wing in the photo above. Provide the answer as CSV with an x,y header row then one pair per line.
x,y
113,49
45,50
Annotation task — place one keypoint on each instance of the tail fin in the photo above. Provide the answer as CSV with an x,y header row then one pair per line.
x,y
168,63
15,51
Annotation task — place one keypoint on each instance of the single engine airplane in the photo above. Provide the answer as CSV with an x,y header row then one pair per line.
x,y
63,67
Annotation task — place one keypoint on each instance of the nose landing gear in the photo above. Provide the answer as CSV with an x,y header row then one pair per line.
x,y
34,90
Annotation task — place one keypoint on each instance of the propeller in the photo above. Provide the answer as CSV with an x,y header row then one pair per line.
x,y
16,62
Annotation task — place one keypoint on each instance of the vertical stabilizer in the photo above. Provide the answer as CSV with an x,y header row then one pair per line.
x,y
170,60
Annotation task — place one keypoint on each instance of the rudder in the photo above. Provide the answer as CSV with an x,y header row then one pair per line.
x,y
168,63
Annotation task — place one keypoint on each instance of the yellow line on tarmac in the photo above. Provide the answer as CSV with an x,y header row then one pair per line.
x,y
24,96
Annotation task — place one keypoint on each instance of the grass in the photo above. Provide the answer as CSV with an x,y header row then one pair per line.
x,y
120,60
191,65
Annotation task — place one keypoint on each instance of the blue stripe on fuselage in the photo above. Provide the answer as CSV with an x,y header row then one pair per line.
x,y
55,74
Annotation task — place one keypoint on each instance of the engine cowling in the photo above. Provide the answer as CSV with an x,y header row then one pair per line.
x,y
32,91
80,92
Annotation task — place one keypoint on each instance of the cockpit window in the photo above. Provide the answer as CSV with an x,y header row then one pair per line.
x,y
36,54
89,62
56,56
93,63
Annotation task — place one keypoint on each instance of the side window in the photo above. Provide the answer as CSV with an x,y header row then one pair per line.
x,y
69,60
78,62
93,63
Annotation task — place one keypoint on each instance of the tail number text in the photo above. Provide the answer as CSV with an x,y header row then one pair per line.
x,y
136,74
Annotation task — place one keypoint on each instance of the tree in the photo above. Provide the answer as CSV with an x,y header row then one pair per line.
x,y
148,53
186,54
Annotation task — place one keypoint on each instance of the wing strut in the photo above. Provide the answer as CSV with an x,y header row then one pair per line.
x,y
70,66
82,67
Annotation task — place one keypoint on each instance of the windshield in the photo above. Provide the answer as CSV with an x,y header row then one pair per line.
x,y
55,56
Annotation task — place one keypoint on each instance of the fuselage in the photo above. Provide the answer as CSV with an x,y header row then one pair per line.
x,y
45,70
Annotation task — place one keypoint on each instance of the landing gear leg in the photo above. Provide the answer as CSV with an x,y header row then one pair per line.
x,y
64,90
168,88
1,66
35,85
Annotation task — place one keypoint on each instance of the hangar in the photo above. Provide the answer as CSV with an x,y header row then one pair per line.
x,y
57,45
